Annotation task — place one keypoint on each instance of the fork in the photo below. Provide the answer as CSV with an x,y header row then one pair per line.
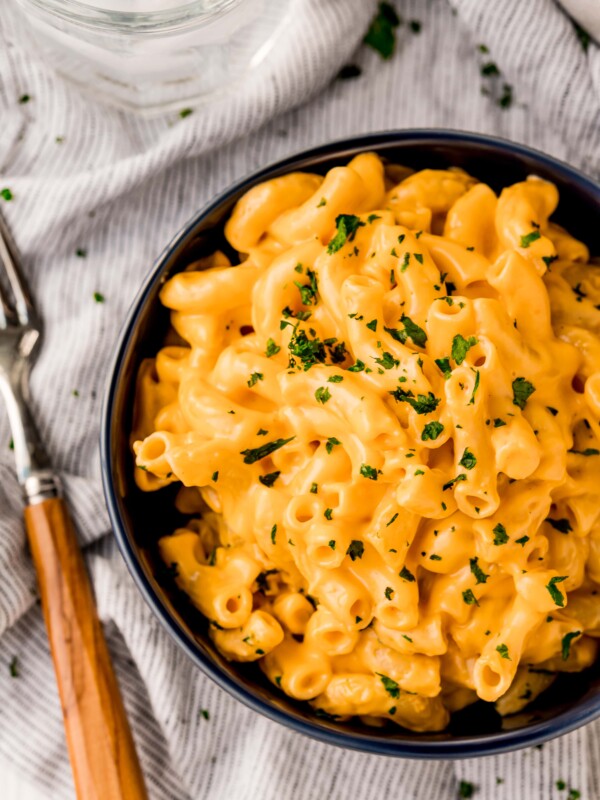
x,y
101,749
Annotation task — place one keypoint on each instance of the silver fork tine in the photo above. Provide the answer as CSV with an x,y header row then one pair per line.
x,y
23,303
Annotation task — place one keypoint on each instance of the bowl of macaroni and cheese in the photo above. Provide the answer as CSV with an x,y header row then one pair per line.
x,y
351,443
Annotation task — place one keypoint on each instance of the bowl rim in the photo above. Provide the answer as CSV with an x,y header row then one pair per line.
x,y
466,747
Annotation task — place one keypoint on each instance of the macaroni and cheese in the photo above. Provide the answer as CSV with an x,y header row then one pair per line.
x,y
384,417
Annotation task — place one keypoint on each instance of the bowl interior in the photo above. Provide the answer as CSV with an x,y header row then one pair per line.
x,y
140,519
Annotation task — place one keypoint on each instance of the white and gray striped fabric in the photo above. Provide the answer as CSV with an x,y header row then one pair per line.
x,y
118,188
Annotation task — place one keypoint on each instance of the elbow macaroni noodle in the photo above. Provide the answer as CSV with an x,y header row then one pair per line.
x,y
385,421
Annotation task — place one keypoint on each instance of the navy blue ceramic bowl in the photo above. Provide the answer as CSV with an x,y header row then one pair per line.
x,y
139,520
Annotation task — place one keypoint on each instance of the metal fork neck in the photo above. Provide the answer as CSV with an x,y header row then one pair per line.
x,y
34,470
41,486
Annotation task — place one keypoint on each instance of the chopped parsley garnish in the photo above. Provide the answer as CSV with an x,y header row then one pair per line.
x,y
566,643
444,366
185,112
490,70
99,298
314,489
254,378
309,351
506,98
461,346
584,40
561,525
415,26
387,360
470,598
347,225
368,472
391,687
555,593
13,667
372,326
215,476
381,35
522,541
332,544
529,238
335,379
522,391
6,194
475,387
589,451
458,479
548,260
322,395
372,217
407,575
392,520
328,513
466,789
252,455
337,352
80,252
388,592
411,331
355,549
323,202
499,423
503,650
500,534
431,431
435,557
422,404
480,576
358,366
273,533
419,257
272,348
287,313
331,443
269,479
261,432
308,292
468,460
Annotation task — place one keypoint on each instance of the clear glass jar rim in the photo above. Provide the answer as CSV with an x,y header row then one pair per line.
x,y
94,15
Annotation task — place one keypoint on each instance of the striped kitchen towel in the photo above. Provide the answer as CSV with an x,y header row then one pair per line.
x,y
95,196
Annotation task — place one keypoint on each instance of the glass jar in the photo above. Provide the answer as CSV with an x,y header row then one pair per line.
x,y
152,56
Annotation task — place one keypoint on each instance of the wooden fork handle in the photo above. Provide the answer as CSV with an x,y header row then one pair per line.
x,y
103,757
